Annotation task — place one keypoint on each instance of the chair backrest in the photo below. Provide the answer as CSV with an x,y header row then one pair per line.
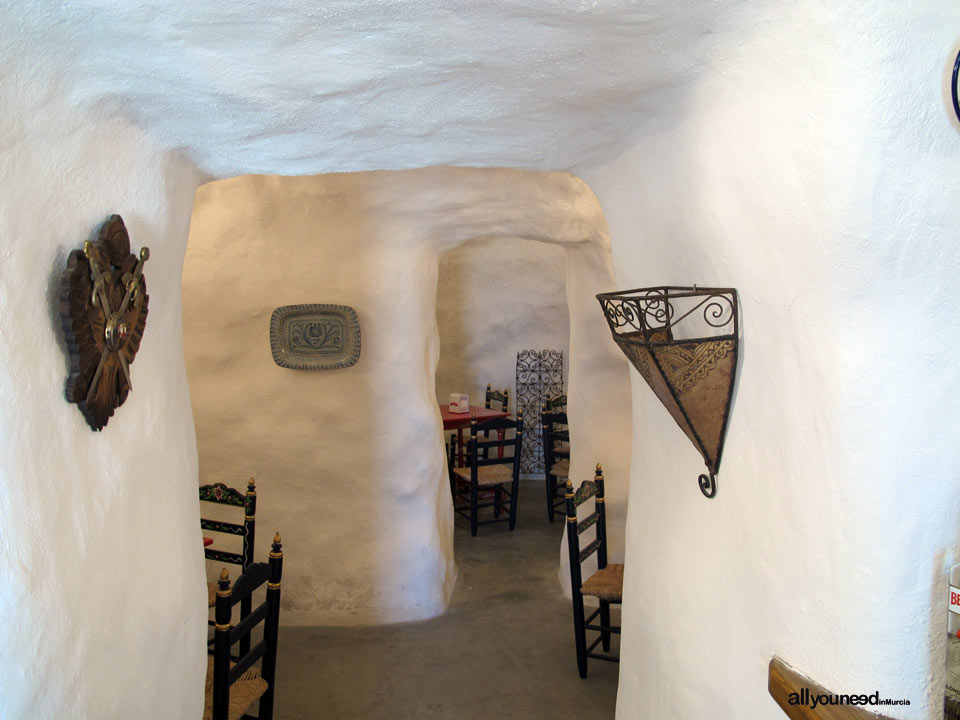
x,y
497,396
225,674
554,432
575,527
555,423
222,495
555,407
555,403
452,448
491,448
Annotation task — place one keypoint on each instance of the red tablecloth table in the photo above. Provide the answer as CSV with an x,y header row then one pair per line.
x,y
459,421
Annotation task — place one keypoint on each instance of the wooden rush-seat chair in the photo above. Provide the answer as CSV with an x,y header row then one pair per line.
x,y
490,468
452,449
556,403
556,453
497,396
234,683
606,584
220,494
500,398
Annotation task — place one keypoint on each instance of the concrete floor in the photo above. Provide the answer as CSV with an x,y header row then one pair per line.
x,y
504,649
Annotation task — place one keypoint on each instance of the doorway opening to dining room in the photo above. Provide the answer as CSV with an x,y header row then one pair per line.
x,y
498,297
350,462
500,294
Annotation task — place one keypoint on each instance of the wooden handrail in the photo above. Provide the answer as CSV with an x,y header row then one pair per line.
x,y
783,680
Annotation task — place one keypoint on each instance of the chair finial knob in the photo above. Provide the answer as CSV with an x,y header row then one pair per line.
x,y
251,484
223,583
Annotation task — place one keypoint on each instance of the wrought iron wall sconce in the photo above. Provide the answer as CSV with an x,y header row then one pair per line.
x,y
683,341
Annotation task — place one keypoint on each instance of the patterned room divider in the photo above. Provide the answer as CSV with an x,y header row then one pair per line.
x,y
539,373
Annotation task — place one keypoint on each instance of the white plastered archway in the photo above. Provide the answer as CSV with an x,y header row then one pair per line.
x,y
373,241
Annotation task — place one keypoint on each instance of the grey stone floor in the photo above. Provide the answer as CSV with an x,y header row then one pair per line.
x,y
504,648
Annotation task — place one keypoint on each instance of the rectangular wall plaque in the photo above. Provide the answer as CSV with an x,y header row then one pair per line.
x,y
314,337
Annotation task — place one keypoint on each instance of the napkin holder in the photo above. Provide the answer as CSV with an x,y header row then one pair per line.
x,y
459,403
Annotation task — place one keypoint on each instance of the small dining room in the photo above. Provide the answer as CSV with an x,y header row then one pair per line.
x,y
351,461
489,368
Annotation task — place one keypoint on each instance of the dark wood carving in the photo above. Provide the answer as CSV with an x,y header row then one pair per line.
x,y
103,308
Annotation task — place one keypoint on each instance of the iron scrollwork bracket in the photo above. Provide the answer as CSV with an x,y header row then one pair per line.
x,y
708,484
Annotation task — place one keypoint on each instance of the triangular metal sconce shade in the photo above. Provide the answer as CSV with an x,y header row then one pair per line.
x,y
683,342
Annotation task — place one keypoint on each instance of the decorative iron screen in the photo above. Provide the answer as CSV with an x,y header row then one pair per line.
x,y
539,373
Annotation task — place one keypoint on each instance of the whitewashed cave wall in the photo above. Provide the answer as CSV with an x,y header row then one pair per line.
x,y
814,167
496,297
101,572
350,462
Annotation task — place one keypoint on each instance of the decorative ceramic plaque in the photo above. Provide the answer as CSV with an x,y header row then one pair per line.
x,y
314,337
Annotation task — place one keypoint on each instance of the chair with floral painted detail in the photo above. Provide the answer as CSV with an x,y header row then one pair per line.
x,y
496,400
555,435
234,682
606,584
490,468
220,494
501,397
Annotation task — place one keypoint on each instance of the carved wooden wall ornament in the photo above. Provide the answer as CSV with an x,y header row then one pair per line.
x,y
103,308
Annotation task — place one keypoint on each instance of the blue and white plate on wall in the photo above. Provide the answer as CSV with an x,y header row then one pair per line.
x,y
315,337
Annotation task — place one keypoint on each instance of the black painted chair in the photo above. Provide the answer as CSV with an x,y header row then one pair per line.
x,y
556,403
556,454
235,683
220,494
490,467
606,584
501,397
496,400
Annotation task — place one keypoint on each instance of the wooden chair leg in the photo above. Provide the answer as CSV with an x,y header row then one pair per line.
x,y
451,462
497,501
514,496
605,623
474,501
246,607
551,484
580,633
